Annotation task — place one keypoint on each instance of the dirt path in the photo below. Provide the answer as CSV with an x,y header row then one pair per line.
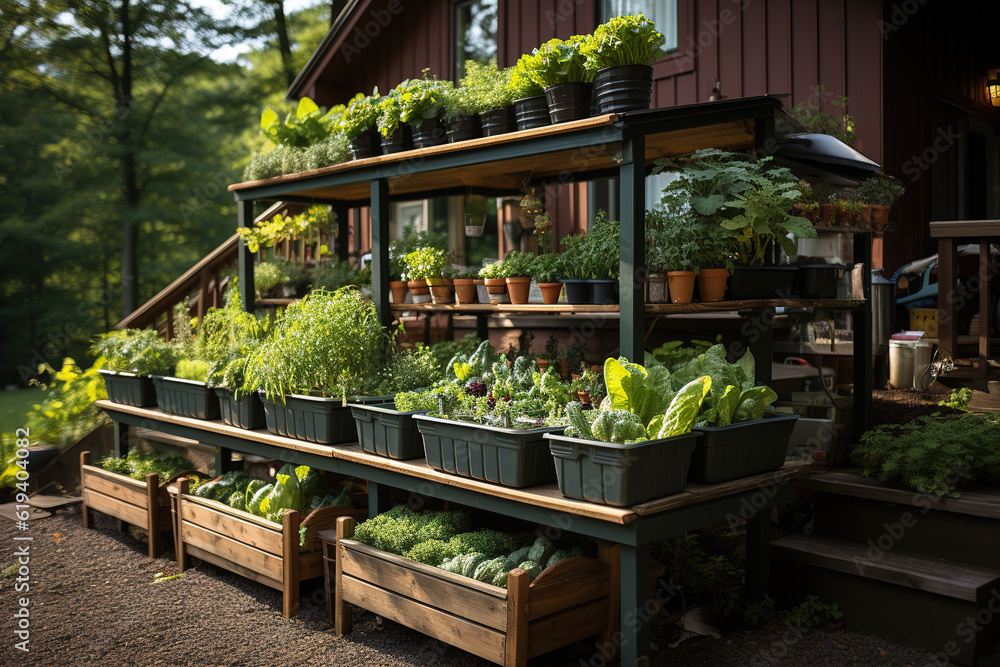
x,y
93,602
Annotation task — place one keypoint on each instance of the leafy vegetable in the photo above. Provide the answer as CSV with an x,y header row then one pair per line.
x,y
253,505
531,567
683,410
286,494
619,426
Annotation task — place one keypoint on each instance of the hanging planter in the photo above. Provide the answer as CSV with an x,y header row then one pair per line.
x,y
498,121
532,112
568,101
366,145
463,129
429,133
475,225
712,284
623,88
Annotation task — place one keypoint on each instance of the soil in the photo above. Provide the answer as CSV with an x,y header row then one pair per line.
x,y
896,406
93,602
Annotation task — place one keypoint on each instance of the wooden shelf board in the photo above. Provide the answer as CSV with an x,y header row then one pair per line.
x,y
651,308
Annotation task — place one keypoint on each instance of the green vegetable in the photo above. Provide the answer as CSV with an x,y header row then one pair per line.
x,y
490,542
531,567
488,570
683,410
579,421
429,552
450,565
618,426
225,486
541,550
258,498
286,494
329,500
470,562
643,392
312,482
501,577
518,556
252,488
400,529
556,557
237,500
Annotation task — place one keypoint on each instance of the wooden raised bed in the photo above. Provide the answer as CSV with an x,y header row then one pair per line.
x,y
144,504
252,546
574,599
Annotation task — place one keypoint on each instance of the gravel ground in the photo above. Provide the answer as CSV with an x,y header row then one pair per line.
x,y
93,602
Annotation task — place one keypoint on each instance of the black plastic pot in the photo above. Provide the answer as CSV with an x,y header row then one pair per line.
x,y
579,291
185,398
621,475
568,101
129,389
532,112
385,431
740,450
325,421
622,89
399,141
762,282
429,133
819,281
244,412
463,129
367,144
498,121
507,456
605,291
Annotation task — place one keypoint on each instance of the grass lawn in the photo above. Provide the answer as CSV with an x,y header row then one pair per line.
x,y
14,406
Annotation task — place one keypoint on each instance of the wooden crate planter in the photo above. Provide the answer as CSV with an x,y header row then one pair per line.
x,y
252,546
144,504
574,599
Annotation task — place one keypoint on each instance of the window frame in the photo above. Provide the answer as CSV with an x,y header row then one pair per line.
x,y
679,60
453,48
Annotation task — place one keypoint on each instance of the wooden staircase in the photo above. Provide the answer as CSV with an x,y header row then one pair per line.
x,y
916,570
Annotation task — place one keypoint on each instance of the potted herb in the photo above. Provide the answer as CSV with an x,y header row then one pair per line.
x,y
601,257
531,109
488,87
588,386
267,277
571,357
808,205
517,268
495,277
848,209
752,201
715,249
322,349
130,357
673,249
359,123
560,68
461,115
643,424
574,273
396,136
421,103
185,391
429,265
546,268
465,286
879,193
476,213
620,55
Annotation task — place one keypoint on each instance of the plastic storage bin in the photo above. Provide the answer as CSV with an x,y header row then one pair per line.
x,y
621,475
245,412
740,450
325,421
385,431
185,398
129,389
507,456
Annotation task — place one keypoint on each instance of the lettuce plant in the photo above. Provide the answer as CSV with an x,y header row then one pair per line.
x,y
623,40
361,115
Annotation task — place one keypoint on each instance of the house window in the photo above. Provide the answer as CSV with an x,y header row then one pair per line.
x,y
475,33
662,12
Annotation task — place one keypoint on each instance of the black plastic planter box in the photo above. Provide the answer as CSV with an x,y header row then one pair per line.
x,y
741,450
621,475
385,431
129,389
762,282
185,398
324,421
507,456
245,412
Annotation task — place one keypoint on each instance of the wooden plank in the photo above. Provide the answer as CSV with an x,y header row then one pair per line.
x,y
116,508
88,518
232,551
450,596
226,510
476,639
153,513
235,568
609,553
342,610
925,573
265,538
120,487
290,563
310,565
516,649
974,503
962,229
566,627
580,580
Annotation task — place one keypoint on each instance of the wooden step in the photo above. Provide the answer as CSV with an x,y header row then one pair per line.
x,y
911,599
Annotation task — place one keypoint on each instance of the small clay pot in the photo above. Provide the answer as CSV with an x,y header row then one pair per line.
x,y
518,288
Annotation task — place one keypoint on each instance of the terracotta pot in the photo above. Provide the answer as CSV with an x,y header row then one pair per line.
x,y
812,215
398,289
564,368
543,364
828,215
550,292
418,287
656,288
497,289
681,286
441,290
465,290
712,284
584,397
879,216
518,288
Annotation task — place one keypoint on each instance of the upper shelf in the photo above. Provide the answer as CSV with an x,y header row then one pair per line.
x,y
651,308
567,152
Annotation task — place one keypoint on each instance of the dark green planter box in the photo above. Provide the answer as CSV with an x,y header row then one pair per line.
x,y
740,450
244,412
324,421
762,282
129,389
621,475
185,398
385,431
507,456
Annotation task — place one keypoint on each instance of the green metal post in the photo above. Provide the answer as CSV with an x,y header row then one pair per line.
x,y
863,352
247,292
341,211
121,439
378,499
380,249
758,569
632,189
635,615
